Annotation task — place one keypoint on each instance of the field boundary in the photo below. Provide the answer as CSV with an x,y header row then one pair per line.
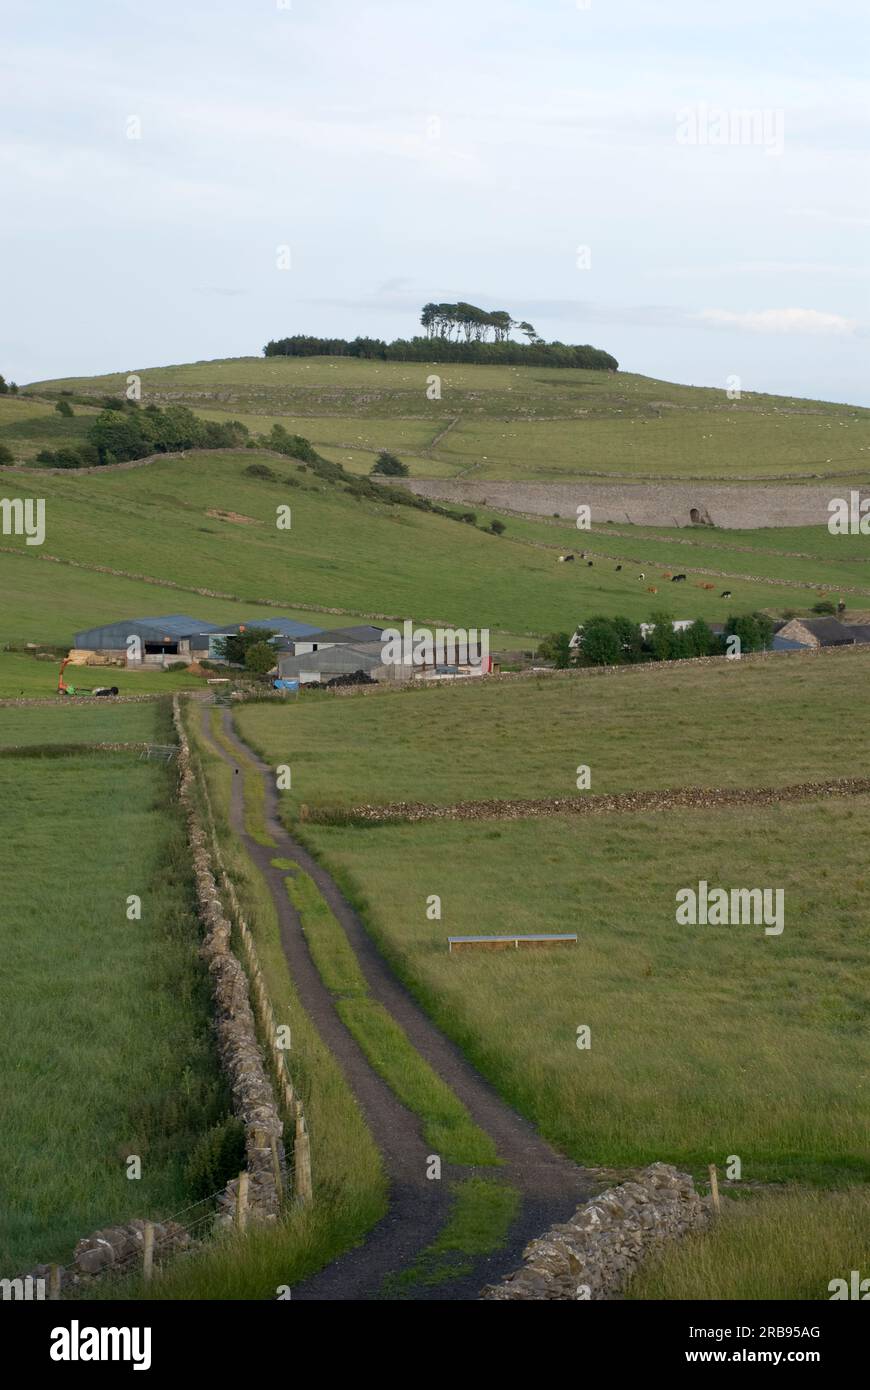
x,y
596,803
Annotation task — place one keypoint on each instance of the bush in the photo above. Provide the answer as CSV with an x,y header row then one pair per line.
x,y
824,607
389,465
497,528
260,658
217,1156
6,455
261,470
176,666
64,408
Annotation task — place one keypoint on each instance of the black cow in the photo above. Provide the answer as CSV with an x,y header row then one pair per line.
x,y
678,579
618,568
726,593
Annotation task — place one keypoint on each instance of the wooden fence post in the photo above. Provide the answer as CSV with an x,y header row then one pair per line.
x,y
276,1169
714,1187
302,1159
148,1252
242,1202
54,1283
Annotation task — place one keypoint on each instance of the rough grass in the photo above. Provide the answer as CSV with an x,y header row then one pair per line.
x,y
706,1041
783,1245
102,721
522,422
447,1125
105,1021
752,723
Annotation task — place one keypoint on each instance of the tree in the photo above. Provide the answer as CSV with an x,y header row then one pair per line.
x,y
387,464
746,628
497,527
601,645
260,658
6,456
824,606
662,641
700,639
556,648
234,648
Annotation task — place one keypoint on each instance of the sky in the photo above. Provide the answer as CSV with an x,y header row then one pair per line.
x,y
685,185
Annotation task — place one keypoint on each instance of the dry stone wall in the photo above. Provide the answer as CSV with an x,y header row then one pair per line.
x,y
744,506
593,1255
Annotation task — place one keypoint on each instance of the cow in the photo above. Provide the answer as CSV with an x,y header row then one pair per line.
x,y
708,586
678,579
618,568
726,593
651,589
589,564
564,559
641,576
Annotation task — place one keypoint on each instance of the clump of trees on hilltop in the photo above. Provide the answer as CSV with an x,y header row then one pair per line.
x,y
455,333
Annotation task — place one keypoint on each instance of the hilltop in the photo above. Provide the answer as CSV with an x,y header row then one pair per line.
x,y
488,422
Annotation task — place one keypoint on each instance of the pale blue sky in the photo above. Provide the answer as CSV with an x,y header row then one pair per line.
x,y
408,150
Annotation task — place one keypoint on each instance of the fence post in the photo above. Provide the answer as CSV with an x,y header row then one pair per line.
x,y
302,1159
54,1283
276,1169
148,1252
242,1202
714,1187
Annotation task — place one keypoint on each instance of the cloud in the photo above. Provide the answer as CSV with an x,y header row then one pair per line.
x,y
780,321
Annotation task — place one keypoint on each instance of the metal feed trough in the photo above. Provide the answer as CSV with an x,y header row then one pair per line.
x,y
508,941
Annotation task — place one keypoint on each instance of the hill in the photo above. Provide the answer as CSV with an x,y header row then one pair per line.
x,y
500,422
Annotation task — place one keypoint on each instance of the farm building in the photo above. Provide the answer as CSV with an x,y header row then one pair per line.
x,y
316,640
170,637
339,659
144,641
820,632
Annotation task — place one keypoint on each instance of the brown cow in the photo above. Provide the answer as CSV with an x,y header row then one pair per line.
x,y
651,589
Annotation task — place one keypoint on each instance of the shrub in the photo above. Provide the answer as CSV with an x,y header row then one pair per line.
x,y
260,658
6,456
497,527
261,470
217,1156
389,465
824,606
64,408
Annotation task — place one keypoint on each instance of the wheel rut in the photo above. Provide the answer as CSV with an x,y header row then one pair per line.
x,y
550,1185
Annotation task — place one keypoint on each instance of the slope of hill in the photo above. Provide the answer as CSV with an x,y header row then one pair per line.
x,y
205,526
512,422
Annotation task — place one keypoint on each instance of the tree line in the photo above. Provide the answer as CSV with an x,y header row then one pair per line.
x,y
620,641
461,338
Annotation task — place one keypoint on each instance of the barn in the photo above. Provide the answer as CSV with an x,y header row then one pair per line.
x,y
144,641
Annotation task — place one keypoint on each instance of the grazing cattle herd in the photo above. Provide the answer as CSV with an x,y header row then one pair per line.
x,y
651,589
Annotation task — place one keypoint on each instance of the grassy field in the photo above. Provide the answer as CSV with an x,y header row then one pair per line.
x,y
762,722
105,1021
705,1041
102,721
788,1245
358,556
515,422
